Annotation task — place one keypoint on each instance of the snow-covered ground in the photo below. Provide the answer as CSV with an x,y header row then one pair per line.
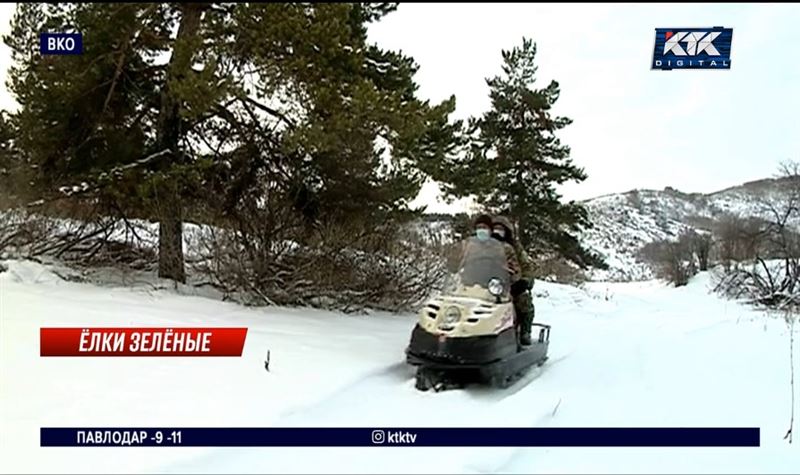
x,y
622,354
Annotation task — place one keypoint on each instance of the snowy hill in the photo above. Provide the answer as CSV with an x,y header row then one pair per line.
x,y
624,354
625,222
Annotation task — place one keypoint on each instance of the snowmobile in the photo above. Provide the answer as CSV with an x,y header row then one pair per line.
x,y
470,333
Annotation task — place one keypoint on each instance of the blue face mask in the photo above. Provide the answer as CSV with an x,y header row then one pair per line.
x,y
483,234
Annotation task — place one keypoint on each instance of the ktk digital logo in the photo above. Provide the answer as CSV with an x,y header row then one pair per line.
x,y
692,48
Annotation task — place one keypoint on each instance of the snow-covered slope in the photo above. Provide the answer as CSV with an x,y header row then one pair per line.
x,y
624,354
624,222
621,229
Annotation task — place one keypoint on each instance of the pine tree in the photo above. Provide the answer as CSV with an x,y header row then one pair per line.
x,y
12,171
514,161
291,96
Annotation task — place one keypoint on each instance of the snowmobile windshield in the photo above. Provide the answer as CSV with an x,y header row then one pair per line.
x,y
481,263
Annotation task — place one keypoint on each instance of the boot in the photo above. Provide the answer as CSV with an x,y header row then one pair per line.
x,y
525,337
525,329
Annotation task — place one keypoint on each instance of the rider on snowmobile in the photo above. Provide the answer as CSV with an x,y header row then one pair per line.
x,y
483,231
503,231
482,227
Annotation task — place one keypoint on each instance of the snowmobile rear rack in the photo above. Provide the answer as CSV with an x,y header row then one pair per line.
x,y
544,332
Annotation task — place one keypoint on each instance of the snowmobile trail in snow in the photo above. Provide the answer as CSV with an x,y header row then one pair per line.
x,y
385,379
386,397
394,385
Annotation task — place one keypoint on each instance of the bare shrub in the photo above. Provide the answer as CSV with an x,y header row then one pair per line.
x,y
73,232
768,284
699,245
739,239
761,257
557,269
673,261
771,277
337,266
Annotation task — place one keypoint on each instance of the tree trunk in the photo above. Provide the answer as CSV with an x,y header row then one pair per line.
x,y
170,208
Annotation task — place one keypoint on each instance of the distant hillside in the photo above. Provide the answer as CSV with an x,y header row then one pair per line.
x,y
624,222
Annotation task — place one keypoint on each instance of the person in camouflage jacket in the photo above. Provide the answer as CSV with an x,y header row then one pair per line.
x,y
502,230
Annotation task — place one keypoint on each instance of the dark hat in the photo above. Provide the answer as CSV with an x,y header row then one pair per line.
x,y
506,223
483,219
503,221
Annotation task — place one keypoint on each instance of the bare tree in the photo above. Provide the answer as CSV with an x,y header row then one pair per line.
x,y
775,280
772,278
674,261
791,317
698,244
737,239
702,249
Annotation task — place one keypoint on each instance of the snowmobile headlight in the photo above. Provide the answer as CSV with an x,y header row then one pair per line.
x,y
496,287
452,315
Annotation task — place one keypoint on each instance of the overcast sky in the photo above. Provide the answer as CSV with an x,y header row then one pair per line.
x,y
698,131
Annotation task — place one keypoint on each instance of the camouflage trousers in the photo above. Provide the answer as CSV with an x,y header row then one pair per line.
x,y
524,310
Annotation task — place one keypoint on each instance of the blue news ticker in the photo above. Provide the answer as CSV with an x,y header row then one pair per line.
x,y
394,437
61,43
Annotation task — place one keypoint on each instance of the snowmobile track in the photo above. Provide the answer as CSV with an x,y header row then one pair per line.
x,y
362,387
498,394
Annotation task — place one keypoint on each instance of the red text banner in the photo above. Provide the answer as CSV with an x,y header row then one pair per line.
x,y
142,341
